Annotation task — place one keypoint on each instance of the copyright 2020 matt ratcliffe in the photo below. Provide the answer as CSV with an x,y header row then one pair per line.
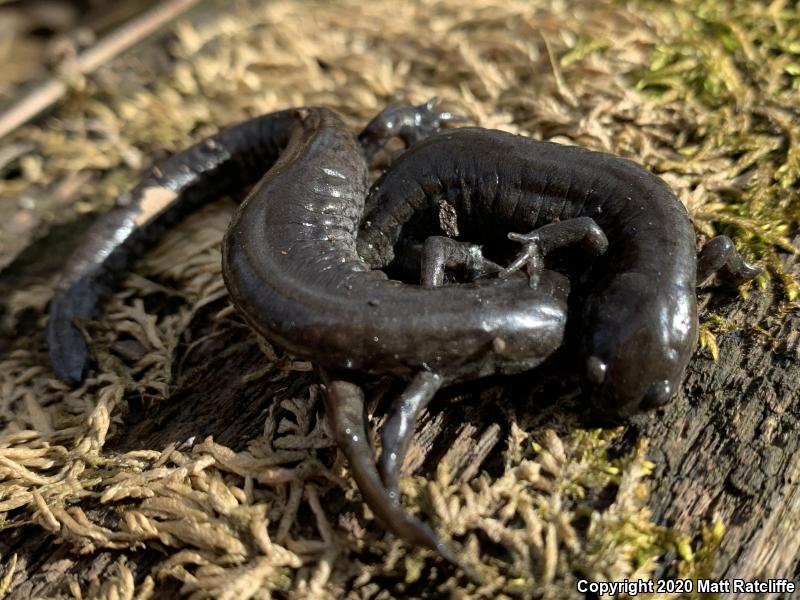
x,y
634,587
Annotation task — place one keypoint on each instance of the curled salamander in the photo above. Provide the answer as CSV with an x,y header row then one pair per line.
x,y
292,264
292,268
639,315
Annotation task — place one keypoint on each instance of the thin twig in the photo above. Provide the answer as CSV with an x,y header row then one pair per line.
x,y
47,93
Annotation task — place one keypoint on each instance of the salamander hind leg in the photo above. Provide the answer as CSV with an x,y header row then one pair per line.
x,y
344,407
440,253
409,123
540,242
399,428
719,256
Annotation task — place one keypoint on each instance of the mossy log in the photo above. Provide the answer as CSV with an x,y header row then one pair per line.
x,y
725,451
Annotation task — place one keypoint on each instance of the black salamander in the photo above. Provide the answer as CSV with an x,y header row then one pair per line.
x,y
291,266
291,262
638,320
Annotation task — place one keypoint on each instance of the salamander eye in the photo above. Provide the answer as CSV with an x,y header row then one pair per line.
x,y
595,370
657,394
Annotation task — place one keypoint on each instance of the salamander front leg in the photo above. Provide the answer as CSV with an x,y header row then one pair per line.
x,y
540,242
409,123
399,428
344,406
719,256
440,253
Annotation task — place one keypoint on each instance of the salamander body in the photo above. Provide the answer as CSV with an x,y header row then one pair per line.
x,y
303,259
639,316
291,266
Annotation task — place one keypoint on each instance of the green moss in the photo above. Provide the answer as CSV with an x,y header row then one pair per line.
x,y
585,46
700,565
737,64
596,501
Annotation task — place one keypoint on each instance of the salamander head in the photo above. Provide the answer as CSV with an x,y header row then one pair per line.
x,y
637,346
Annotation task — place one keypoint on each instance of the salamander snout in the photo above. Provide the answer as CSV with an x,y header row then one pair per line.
x,y
638,339
626,374
618,392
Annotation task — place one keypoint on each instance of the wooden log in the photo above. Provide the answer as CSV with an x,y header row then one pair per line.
x,y
726,449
